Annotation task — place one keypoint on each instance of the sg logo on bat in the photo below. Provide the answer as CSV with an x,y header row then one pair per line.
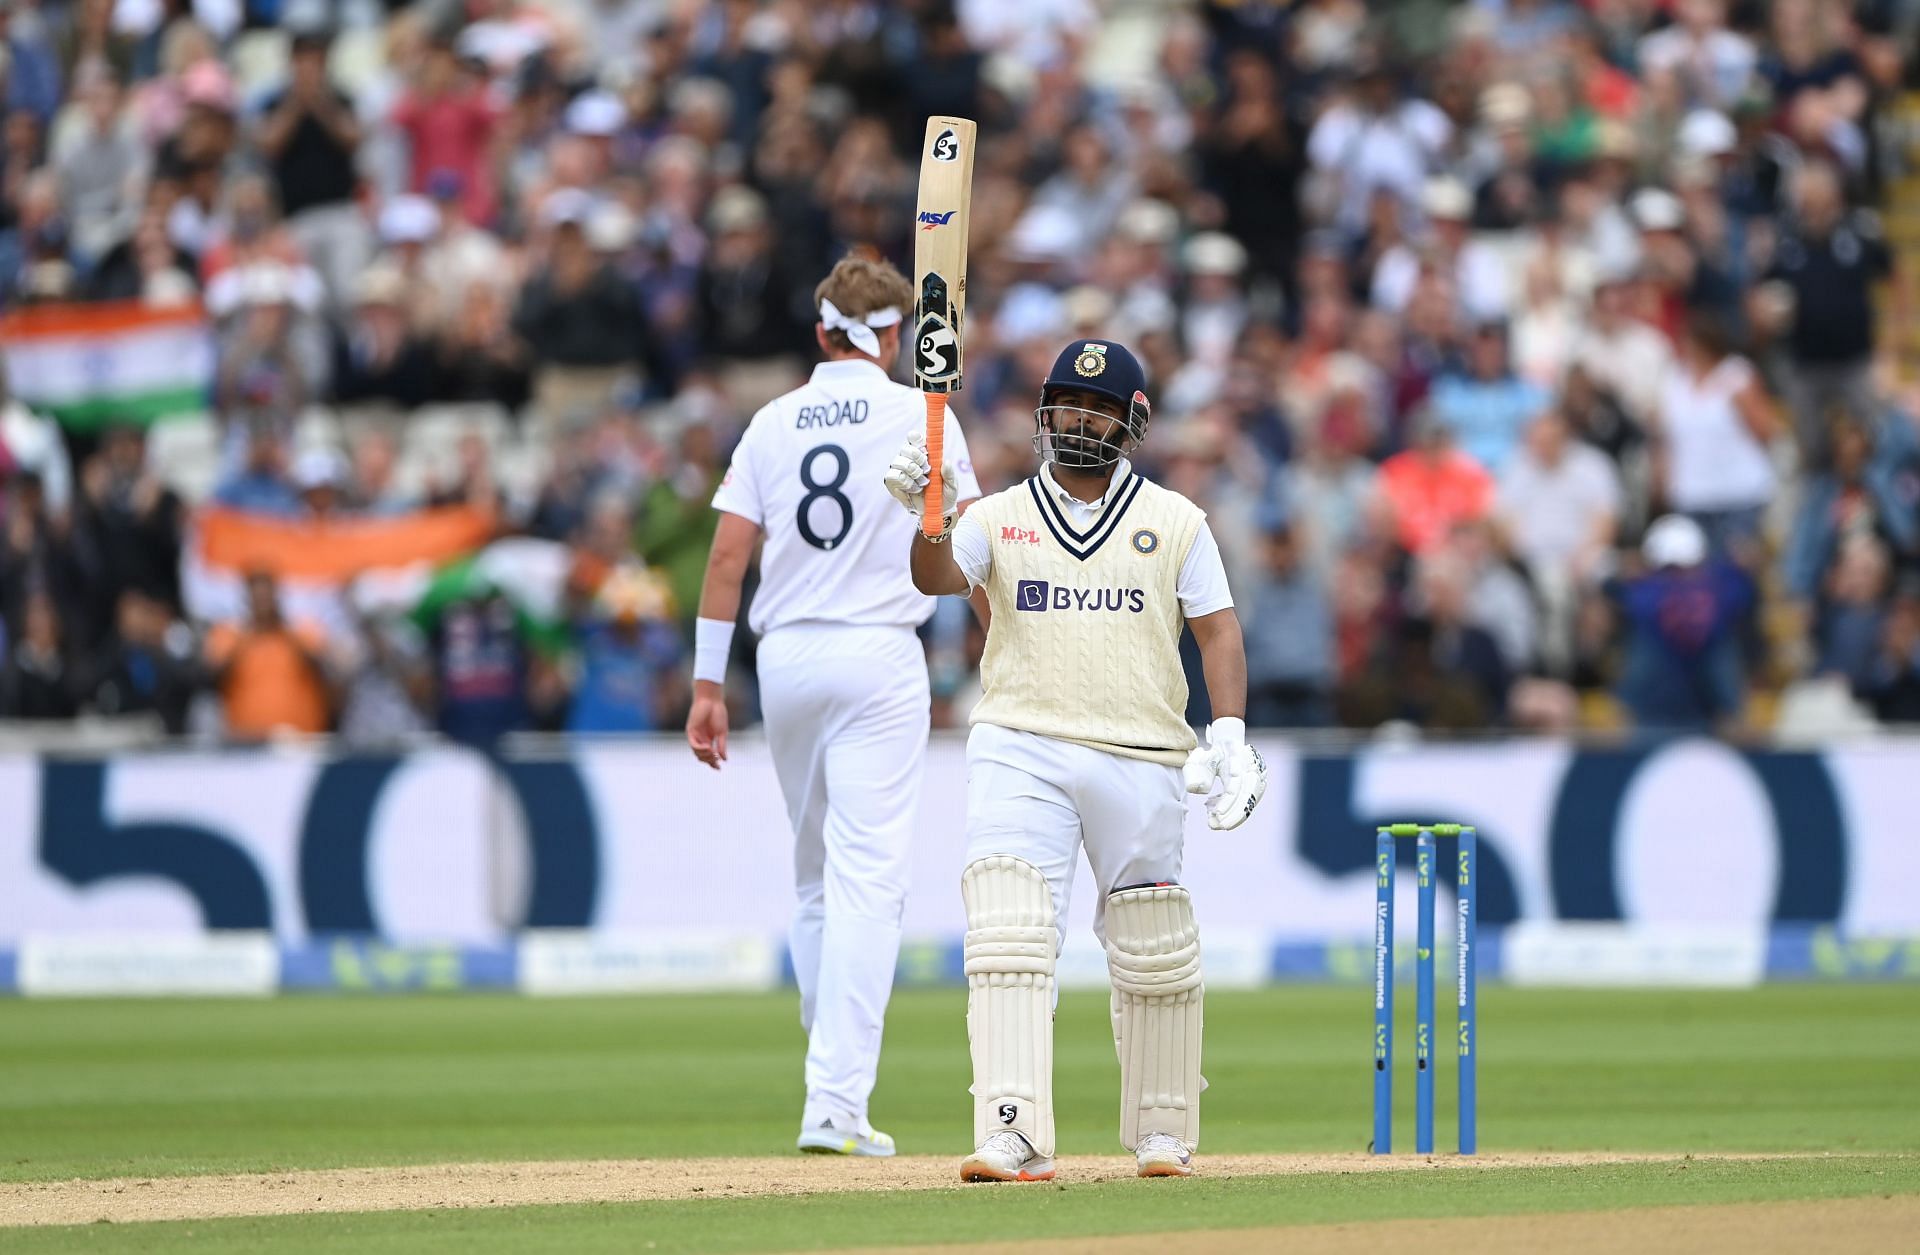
x,y
936,355
946,147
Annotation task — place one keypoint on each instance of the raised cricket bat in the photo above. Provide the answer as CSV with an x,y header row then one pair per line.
x,y
940,284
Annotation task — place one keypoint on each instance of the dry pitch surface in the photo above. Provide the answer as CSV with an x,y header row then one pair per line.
x,y
448,1186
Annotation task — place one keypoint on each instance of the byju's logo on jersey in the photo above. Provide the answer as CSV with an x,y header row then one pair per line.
x,y
1020,535
929,219
1039,595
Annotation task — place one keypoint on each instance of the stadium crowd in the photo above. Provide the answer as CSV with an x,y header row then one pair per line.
x,y
1534,360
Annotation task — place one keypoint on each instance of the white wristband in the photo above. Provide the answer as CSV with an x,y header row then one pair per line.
x,y
1228,731
712,642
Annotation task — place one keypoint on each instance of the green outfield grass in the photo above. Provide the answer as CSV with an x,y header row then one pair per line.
x,y
987,1215
111,1088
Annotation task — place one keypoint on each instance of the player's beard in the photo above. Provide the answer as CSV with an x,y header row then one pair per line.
x,y
1072,448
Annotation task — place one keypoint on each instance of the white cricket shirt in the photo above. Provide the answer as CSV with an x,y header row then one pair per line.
x,y
810,472
1202,584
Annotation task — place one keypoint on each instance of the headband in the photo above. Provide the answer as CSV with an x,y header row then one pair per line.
x,y
859,330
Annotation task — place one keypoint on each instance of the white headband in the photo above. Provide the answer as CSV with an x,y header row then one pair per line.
x,y
859,330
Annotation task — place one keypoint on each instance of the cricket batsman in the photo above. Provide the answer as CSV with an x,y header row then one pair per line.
x,y
1081,739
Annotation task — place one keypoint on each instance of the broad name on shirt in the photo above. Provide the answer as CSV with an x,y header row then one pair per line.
x,y
832,414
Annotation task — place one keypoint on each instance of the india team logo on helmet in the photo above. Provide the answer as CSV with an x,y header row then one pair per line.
x,y
1092,361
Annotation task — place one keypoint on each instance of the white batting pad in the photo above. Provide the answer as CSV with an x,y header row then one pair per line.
x,y
1153,956
1009,957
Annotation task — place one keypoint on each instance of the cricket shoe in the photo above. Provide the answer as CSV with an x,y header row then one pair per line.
x,y
1163,1155
1006,1157
844,1137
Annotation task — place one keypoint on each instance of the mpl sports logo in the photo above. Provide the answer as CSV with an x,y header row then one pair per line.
x,y
1039,595
1020,535
929,219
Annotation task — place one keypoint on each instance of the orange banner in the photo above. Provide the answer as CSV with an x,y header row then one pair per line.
x,y
339,550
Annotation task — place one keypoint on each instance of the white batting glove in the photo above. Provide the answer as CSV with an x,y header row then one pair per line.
x,y
908,476
1237,767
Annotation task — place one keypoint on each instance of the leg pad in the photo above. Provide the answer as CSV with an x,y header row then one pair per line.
x,y
1011,939
1153,957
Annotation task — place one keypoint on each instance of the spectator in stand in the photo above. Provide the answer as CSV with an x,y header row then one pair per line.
x,y
377,358
477,358
449,123
131,524
1431,486
1853,610
1619,352
1477,271
39,679
38,558
271,674
1374,139
310,135
1868,491
260,485
1892,684
492,664
1683,622
627,647
1290,657
1716,426
752,323
1488,407
101,164
579,317
1559,508
151,665
1711,63
1829,261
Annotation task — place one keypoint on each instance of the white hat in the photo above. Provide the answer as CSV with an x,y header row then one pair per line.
x,y
266,283
319,468
1045,233
1214,253
380,285
1675,540
1656,209
1446,198
611,228
1506,104
596,113
409,220
736,208
566,206
1149,222
1706,133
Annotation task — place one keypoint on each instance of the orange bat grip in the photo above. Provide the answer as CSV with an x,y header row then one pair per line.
x,y
931,521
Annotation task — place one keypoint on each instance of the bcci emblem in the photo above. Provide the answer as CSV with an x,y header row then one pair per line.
x,y
1145,541
1092,360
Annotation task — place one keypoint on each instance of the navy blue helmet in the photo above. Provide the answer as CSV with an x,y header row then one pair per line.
x,y
1064,434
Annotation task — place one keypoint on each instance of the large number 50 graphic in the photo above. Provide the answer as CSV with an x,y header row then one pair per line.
x,y
84,848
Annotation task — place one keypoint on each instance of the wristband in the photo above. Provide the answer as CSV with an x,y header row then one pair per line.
x,y
712,643
1227,731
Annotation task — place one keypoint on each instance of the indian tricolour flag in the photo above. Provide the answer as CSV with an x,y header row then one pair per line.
x,y
88,365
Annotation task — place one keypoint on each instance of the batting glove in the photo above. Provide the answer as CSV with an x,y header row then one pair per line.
x,y
1227,759
907,480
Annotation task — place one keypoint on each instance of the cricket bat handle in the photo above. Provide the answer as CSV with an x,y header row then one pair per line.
x,y
933,518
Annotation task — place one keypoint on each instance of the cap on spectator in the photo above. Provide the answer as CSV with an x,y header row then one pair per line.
x,y
611,228
380,285
1656,209
1614,140
1214,253
1674,540
1446,199
1149,222
1045,233
1089,306
409,220
207,84
1707,133
736,209
596,113
319,468
567,207
266,283
1505,105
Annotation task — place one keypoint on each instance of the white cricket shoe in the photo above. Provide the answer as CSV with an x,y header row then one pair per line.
x,y
1006,1157
1163,1155
844,1137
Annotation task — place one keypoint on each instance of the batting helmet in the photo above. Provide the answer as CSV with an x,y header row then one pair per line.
x,y
1062,433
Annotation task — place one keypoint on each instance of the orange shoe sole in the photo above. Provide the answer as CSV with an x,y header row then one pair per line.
x,y
971,1171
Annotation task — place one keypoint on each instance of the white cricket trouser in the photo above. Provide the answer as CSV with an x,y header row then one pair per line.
x,y
847,715
1041,799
